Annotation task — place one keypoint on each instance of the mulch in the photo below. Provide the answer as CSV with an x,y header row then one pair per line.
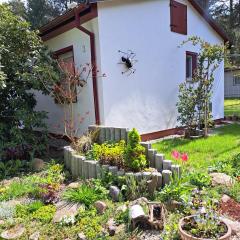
x,y
231,208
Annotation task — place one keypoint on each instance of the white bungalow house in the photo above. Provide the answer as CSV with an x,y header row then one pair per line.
x,y
144,97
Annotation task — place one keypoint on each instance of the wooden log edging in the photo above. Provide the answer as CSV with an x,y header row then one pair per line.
x,y
82,168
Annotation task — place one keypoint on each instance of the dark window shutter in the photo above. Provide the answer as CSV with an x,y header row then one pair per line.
x,y
194,63
178,12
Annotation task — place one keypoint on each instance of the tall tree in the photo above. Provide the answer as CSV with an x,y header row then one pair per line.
x,y
18,8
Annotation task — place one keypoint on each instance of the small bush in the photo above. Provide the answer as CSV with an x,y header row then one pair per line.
x,y
23,211
135,158
84,194
176,191
111,154
200,179
45,214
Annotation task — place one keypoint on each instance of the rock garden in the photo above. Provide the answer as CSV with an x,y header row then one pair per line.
x,y
122,188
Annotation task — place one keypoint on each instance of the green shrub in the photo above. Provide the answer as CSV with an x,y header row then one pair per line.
x,y
111,154
200,179
84,194
135,158
122,217
177,190
45,214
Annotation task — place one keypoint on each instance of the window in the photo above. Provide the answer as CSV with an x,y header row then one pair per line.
x,y
191,65
236,80
66,61
178,13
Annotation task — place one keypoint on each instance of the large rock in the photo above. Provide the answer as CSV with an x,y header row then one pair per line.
x,y
65,209
35,236
221,179
74,185
13,233
81,236
115,193
37,164
225,198
100,206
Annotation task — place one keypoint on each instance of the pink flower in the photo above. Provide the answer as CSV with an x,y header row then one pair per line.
x,y
175,154
184,157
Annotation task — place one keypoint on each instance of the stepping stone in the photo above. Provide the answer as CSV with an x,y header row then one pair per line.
x,y
13,233
64,209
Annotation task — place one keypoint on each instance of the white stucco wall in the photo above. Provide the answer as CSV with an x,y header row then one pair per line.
x,y
147,99
84,108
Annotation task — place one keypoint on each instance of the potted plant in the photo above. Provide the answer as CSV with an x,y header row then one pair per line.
x,y
204,226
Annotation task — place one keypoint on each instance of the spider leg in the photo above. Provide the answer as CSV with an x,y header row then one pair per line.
x,y
122,52
126,71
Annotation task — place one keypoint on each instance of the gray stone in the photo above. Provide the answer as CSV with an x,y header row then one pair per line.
x,y
74,165
147,146
112,135
121,173
115,193
159,161
100,206
221,179
102,135
152,185
138,176
167,176
146,175
79,160
81,236
167,164
123,134
64,209
92,169
176,171
13,233
108,134
225,198
66,152
98,170
117,134
37,164
35,236
105,169
69,158
151,157
86,169
113,170
159,179
74,185
129,174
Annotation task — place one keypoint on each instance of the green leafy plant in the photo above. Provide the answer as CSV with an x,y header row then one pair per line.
x,y
109,153
135,158
84,194
176,191
45,213
200,179
17,189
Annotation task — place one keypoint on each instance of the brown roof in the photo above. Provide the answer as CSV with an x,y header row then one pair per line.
x,y
83,9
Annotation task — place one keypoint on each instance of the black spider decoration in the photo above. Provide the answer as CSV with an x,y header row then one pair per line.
x,y
128,59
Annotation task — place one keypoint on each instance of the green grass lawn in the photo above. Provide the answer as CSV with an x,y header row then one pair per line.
x,y
232,107
204,152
